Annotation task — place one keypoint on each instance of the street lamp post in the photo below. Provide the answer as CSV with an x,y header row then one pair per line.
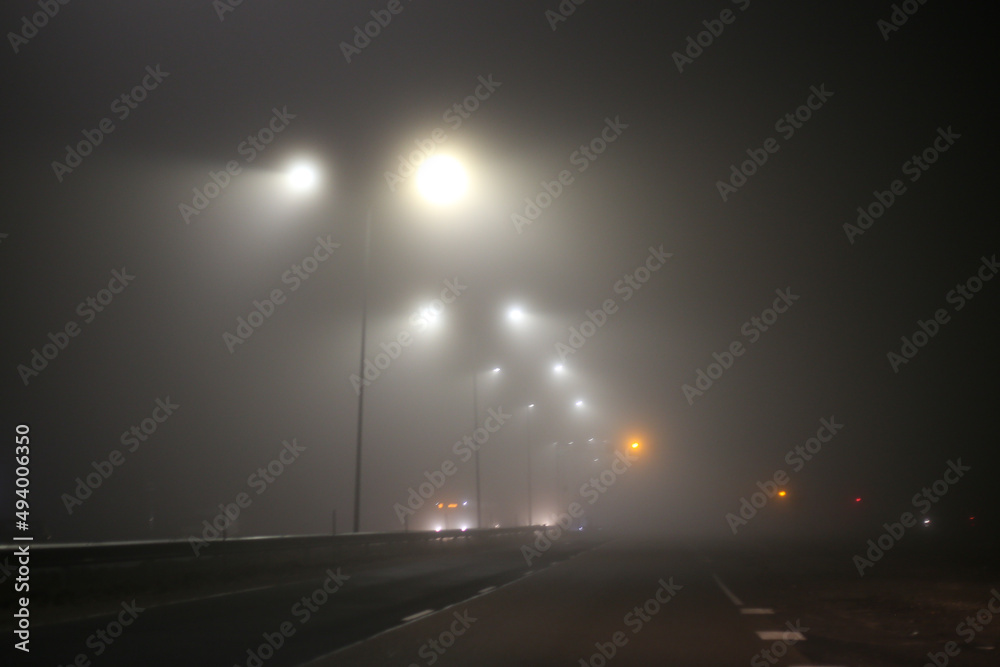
x,y
560,461
528,449
361,375
475,425
560,476
441,180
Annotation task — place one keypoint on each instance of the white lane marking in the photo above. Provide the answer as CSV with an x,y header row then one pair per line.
x,y
729,594
419,614
488,589
756,610
786,635
325,657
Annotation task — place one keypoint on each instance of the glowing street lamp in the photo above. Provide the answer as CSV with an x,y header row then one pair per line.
x,y
302,177
441,179
431,314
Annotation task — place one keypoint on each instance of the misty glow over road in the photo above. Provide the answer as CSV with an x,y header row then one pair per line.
x,y
483,287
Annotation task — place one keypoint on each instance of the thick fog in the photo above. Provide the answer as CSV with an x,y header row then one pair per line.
x,y
770,252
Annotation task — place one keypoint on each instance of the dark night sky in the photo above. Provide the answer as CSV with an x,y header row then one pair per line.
x,y
654,185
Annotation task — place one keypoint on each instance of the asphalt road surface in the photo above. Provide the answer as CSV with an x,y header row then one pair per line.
x,y
583,602
617,604
310,617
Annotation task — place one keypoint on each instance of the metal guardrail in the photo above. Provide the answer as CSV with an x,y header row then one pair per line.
x,y
64,555
65,575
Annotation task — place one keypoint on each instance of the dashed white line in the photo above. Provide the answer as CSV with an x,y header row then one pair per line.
x,y
735,600
394,628
419,614
488,589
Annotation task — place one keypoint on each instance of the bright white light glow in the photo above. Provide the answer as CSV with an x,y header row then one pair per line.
x,y
496,370
438,529
431,314
441,179
302,177
515,314
558,368
579,403
465,527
